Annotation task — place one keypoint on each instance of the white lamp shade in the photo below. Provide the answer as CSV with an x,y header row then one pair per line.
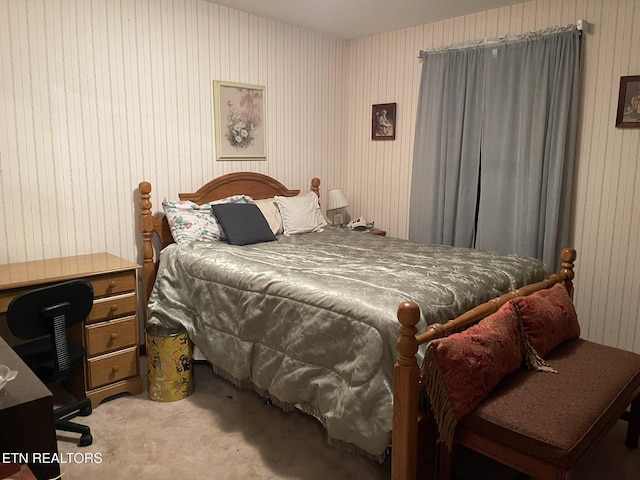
x,y
336,199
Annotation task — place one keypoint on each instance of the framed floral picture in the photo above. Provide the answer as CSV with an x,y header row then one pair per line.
x,y
628,113
383,121
240,121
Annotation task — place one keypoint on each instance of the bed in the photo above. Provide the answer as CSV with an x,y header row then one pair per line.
x,y
310,320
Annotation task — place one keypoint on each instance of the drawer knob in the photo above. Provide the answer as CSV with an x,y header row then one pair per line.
x,y
114,336
114,307
115,368
112,284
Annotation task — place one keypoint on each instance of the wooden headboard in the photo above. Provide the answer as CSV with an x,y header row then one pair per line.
x,y
256,185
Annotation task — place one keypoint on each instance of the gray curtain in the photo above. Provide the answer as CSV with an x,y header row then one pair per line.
x,y
495,145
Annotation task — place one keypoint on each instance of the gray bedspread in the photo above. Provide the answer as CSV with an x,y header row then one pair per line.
x,y
311,319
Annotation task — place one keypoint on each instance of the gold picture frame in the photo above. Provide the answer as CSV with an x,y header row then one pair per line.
x,y
240,121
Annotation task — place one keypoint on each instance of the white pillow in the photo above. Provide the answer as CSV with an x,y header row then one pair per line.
x,y
190,222
270,211
300,214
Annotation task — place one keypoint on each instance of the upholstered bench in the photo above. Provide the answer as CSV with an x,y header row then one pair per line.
x,y
540,420
543,423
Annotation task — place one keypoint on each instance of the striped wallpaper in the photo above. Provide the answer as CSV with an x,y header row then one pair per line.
x,y
98,95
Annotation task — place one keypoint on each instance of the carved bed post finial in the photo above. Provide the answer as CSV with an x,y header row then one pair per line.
x,y
405,395
146,221
315,186
568,256
408,316
146,226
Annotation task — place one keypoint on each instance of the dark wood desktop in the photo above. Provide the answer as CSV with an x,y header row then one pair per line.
x,y
26,419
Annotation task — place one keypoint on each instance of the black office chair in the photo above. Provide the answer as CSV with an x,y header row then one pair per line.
x,y
43,315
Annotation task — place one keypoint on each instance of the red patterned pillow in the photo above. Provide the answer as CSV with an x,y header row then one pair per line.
x,y
548,318
460,370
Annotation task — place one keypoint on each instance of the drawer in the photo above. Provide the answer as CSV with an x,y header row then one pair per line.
x,y
113,284
112,307
7,295
108,336
103,285
112,367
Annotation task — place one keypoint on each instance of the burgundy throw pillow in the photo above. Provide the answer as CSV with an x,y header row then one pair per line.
x,y
548,318
460,370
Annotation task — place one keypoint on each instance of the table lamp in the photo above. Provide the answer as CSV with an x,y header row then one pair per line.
x,y
336,201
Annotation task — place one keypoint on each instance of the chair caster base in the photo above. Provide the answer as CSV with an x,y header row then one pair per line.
x,y
85,440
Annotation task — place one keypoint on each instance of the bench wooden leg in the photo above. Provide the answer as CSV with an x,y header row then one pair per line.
x,y
445,461
633,429
560,476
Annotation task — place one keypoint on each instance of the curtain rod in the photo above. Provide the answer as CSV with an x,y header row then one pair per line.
x,y
581,25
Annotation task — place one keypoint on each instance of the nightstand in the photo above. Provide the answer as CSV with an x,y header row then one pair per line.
x,y
377,231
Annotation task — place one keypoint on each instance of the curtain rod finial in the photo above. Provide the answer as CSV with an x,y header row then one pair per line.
x,y
582,25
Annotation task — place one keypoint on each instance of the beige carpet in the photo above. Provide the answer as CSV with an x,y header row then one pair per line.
x,y
221,432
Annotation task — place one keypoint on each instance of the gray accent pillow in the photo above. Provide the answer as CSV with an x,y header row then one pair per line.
x,y
243,223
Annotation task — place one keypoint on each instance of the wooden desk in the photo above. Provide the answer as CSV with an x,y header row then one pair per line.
x,y
110,335
26,417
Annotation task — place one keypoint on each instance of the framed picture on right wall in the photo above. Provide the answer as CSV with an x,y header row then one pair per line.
x,y
628,114
383,121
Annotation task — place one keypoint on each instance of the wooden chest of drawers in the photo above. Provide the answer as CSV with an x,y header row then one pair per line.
x,y
110,334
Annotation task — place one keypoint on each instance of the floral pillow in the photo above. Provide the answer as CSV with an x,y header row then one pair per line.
x,y
190,222
460,370
548,318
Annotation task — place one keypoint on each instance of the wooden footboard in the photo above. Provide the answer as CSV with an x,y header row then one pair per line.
x,y
156,229
406,459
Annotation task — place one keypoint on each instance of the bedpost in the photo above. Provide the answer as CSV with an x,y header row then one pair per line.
x,y
315,186
568,256
404,443
146,226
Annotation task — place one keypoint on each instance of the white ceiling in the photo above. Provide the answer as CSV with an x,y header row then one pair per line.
x,y
351,19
